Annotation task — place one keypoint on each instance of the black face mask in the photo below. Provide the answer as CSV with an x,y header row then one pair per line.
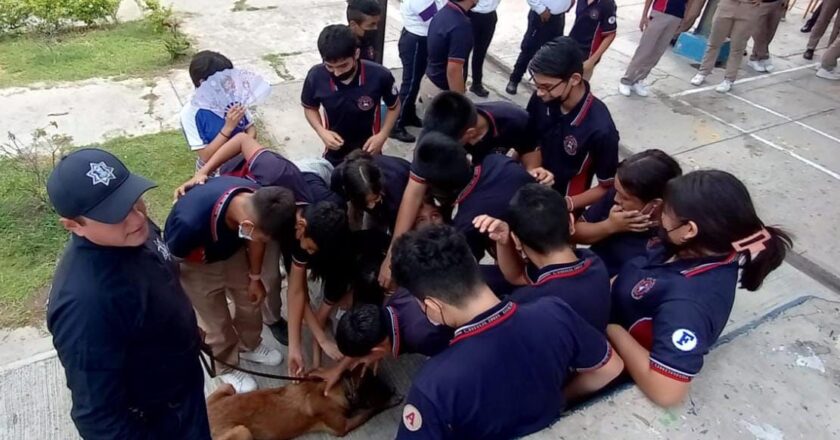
x,y
671,248
346,75
369,37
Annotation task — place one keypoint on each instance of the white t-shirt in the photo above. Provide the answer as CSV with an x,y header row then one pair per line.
x,y
554,6
486,6
417,14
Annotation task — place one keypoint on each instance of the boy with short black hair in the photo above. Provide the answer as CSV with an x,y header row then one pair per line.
x,y
349,90
363,17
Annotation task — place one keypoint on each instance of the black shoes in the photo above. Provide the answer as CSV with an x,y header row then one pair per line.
x,y
413,121
479,90
511,87
807,27
280,331
809,54
402,135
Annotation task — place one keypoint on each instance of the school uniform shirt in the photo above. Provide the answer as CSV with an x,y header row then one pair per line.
x,y
200,126
503,375
394,172
450,40
670,7
196,229
584,285
508,128
410,330
269,168
576,146
127,337
351,110
555,7
593,23
676,310
620,248
417,14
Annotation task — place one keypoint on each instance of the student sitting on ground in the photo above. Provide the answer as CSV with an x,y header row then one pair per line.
x,y
624,223
671,306
539,226
507,370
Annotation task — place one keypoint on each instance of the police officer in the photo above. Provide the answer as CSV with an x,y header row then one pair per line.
x,y
546,21
124,330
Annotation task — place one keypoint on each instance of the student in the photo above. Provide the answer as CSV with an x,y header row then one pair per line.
x,y
594,30
539,226
828,9
483,19
205,131
577,139
502,355
670,307
658,25
770,15
546,21
124,330
219,231
374,185
349,91
624,223
449,44
416,16
363,18
828,67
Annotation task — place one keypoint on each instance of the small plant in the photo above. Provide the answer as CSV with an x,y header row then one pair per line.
x,y
37,158
91,12
163,20
14,15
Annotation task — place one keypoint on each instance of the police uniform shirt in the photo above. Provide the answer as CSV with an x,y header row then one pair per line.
x,y
676,310
410,330
351,110
196,229
508,128
584,285
417,14
126,335
593,22
620,248
450,40
670,7
576,146
394,172
200,126
555,7
503,375
269,168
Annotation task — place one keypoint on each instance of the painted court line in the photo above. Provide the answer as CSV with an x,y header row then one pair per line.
x,y
770,144
743,80
786,117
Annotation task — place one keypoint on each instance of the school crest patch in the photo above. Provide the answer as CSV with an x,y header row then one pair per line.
x,y
412,419
594,14
365,103
570,144
642,287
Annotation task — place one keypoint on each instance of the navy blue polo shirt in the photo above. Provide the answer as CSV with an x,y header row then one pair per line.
x,y
670,7
450,39
676,310
410,330
126,335
584,285
508,128
196,230
576,146
593,22
493,184
620,248
351,110
394,172
367,53
269,168
503,375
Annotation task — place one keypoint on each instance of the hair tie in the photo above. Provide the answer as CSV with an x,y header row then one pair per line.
x,y
755,243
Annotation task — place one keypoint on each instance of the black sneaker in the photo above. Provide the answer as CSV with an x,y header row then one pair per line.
x,y
809,54
479,91
280,331
511,87
412,122
402,135
807,28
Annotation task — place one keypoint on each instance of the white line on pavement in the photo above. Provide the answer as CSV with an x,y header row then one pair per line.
x,y
788,118
27,361
744,80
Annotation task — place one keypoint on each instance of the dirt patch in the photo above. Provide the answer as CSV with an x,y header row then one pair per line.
x,y
30,312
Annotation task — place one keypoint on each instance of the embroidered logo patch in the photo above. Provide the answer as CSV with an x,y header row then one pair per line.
x,y
642,287
412,419
570,145
365,103
594,14
101,173
611,20
684,339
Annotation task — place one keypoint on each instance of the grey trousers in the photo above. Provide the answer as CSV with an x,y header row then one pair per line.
x,y
655,41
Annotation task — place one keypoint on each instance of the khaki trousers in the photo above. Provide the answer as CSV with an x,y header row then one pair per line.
x,y
428,91
734,19
829,10
655,41
829,59
209,286
272,278
692,11
769,16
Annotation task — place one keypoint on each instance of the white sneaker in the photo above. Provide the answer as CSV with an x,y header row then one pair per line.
x,y
698,79
833,75
724,87
768,65
263,355
757,65
241,382
640,89
624,89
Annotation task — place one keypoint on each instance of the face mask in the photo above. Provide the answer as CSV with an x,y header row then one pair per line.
x,y
346,75
245,235
369,37
432,321
671,248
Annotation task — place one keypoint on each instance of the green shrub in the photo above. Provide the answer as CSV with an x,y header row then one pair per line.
x,y
91,11
50,16
14,15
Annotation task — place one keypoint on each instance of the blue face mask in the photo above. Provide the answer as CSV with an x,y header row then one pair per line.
x,y
245,235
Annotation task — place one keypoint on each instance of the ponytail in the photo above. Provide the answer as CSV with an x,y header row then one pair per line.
x,y
358,177
756,267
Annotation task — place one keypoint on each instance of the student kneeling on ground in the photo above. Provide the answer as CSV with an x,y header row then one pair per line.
x,y
123,328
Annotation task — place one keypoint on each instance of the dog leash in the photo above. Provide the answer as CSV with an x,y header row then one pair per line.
x,y
211,368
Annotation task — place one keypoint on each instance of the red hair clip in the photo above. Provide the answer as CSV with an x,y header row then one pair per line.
x,y
754,243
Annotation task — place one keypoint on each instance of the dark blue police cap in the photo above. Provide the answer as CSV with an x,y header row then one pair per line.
x,y
95,184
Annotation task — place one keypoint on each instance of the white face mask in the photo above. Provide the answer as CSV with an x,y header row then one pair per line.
x,y
246,235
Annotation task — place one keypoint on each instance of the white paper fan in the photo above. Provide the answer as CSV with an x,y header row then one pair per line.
x,y
224,89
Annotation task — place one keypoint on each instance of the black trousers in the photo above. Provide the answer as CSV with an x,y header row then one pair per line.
x,y
538,33
414,57
484,26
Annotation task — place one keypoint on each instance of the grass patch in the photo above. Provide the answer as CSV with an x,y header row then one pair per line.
x,y
33,240
134,48
278,63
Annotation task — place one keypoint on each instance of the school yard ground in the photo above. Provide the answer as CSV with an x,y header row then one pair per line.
x,y
774,375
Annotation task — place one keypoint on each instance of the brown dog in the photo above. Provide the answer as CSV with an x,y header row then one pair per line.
x,y
290,411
